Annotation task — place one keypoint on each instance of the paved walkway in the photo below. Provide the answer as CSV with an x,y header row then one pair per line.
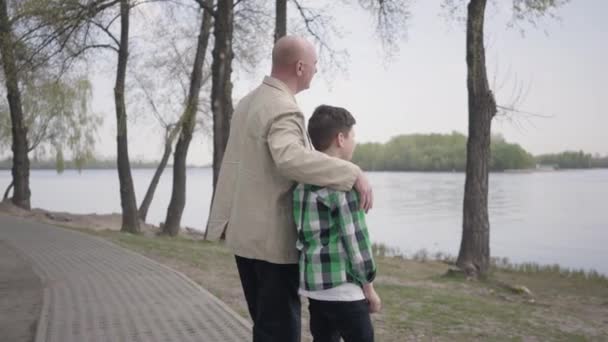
x,y
97,291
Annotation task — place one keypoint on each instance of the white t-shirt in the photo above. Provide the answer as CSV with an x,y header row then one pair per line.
x,y
347,292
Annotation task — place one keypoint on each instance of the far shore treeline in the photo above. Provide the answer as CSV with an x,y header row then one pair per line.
x,y
447,152
411,152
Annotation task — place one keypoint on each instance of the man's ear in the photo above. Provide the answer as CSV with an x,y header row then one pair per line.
x,y
299,68
340,139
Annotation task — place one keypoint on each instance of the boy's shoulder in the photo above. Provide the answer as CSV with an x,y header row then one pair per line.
x,y
329,196
321,189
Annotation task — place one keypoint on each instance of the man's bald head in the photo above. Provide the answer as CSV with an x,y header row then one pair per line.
x,y
294,61
290,49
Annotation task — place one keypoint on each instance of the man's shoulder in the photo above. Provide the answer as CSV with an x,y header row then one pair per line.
x,y
277,98
269,104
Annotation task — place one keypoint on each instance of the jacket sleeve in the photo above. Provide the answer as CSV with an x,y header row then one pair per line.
x,y
301,164
355,238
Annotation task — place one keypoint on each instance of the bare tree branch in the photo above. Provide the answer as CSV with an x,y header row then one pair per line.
x,y
151,102
181,64
321,27
391,21
106,29
519,111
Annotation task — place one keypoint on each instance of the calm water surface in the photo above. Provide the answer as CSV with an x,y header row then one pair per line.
x,y
552,217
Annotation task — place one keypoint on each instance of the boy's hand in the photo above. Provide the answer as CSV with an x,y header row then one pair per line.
x,y
375,304
365,192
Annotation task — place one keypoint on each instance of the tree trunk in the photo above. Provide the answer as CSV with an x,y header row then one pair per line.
x,y
130,222
474,255
280,27
145,204
221,89
8,191
21,162
178,195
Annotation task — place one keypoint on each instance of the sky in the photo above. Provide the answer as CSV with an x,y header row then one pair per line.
x,y
562,65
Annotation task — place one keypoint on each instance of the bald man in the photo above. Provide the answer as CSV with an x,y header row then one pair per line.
x,y
268,151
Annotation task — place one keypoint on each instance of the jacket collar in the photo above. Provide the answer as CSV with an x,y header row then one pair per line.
x,y
278,84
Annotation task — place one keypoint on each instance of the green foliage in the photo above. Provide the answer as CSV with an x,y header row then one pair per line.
x,y
58,118
572,160
436,152
60,163
599,162
507,156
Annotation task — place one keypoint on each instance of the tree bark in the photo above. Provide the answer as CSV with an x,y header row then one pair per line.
x,y
21,163
8,191
130,221
474,255
178,194
145,204
280,27
221,89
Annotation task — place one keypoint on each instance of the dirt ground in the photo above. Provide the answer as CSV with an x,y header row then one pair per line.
x,y
93,221
90,221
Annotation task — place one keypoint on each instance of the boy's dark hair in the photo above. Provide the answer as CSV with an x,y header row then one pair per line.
x,y
325,124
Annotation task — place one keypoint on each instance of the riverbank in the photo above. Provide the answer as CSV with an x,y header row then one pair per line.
x,y
94,222
420,302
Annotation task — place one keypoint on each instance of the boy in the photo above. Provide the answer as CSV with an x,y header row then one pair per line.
x,y
336,263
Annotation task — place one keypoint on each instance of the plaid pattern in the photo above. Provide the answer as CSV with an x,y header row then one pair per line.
x,y
333,240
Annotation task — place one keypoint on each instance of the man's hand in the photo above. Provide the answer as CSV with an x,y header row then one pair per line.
x,y
375,304
365,192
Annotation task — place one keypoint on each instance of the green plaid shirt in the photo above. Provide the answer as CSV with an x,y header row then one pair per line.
x,y
332,238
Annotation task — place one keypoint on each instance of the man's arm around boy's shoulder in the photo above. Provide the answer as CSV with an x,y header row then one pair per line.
x,y
301,164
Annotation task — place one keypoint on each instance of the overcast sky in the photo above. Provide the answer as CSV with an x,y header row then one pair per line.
x,y
562,64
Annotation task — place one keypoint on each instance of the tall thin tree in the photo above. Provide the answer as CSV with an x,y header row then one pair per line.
x,y
144,207
130,221
21,162
474,255
280,27
178,194
221,88
40,39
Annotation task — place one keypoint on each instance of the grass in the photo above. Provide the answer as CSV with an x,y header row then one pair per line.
x,y
502,264
421,303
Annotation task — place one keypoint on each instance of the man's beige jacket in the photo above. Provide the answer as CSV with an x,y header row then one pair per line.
x,y
268,151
